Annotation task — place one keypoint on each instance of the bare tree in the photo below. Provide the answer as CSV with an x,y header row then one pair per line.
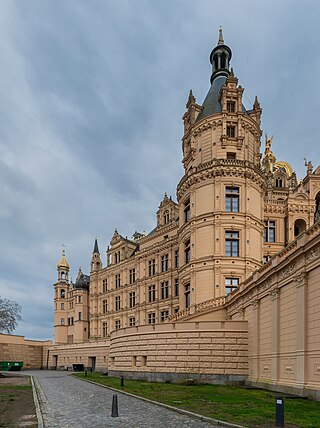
x,y
9,315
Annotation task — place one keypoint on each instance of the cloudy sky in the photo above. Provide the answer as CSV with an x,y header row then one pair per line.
x,y
91,99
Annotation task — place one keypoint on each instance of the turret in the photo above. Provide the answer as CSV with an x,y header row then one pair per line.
x,y
96,264
61,292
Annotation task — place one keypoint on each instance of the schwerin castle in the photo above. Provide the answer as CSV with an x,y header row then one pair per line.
x,y
226,287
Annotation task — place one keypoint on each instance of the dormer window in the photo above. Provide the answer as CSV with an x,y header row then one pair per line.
x,y
279,182
231,106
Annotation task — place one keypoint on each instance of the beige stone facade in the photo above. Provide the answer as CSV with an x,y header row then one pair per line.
x,y
225,285
33,353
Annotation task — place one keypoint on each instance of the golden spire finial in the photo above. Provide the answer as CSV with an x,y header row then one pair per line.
x,y
63,262
220,41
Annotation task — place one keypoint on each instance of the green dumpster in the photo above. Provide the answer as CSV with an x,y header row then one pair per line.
x,y
11,366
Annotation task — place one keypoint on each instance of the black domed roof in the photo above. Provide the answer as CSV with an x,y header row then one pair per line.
x,y
82,281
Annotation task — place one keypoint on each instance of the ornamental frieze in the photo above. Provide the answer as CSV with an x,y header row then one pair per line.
x,y
284,273
266,284
312,254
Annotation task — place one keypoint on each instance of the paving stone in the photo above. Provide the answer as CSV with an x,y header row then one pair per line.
x,y
67,402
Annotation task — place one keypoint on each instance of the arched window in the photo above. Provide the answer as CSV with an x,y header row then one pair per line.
x,y
279,182
300,226
166,217
223,61
62,294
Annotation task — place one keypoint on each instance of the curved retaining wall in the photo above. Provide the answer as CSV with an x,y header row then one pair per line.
x,y
214,351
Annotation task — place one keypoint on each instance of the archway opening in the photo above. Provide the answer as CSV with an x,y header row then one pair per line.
x,y
300,226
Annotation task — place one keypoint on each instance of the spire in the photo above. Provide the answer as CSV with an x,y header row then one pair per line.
x,y
220,41
63,264
256,103
96,248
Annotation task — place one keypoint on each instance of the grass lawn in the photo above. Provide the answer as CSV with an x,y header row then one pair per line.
x,y
251,408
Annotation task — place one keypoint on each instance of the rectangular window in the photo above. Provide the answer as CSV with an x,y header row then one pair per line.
x,y
231,284
269,231
187,250
132,321
165,263
104,285
152,293
104,306
117,301
132,276
152,318
164,315
232,199
79,299
187,210
176,287
165,290
117,324
62,305
62,321
176,258
104,329
231,106
232,243
231,131
118,281
152,267
132,299
72,321
80,316
231,155
187,295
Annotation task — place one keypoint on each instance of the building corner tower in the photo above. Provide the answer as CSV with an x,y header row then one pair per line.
x,y
221,194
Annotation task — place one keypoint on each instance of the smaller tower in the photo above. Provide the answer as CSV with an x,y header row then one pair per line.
x,y
96,264
61,292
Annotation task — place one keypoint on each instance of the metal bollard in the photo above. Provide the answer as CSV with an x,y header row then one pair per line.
x,y
121,381
114,411
279,412
86,373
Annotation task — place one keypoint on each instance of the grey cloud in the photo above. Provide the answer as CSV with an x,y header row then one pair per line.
x,y
91,100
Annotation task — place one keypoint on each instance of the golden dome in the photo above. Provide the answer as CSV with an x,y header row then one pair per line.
x,y
63,262
282,165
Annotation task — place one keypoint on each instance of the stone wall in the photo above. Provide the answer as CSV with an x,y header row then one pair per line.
x,y
281,305
208,351
17,348
93,354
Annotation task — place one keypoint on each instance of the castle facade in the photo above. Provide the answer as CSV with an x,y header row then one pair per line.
x,y
225,284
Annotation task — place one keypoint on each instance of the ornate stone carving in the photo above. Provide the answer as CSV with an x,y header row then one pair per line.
x,y
255,303
287,271
301,280
312,254
274,293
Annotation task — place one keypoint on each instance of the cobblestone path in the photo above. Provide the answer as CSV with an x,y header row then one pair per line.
x,y
67,402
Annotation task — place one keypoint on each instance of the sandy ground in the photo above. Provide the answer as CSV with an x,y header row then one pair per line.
x,y
16,405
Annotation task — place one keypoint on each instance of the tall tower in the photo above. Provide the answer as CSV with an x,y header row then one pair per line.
x,y
96,266
221,194
61,290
